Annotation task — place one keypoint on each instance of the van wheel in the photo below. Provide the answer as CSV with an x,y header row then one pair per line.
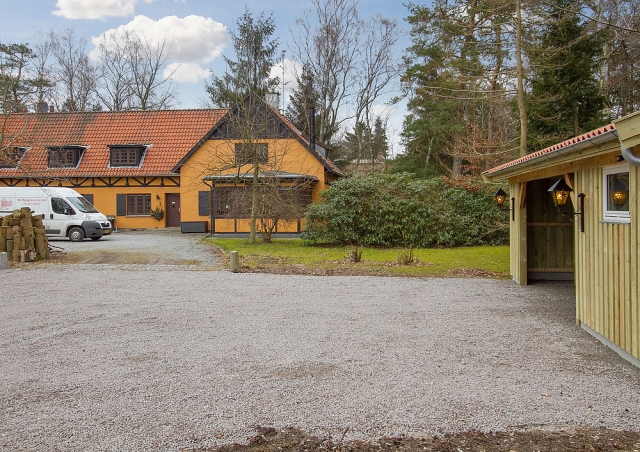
x,y
76,234
96,238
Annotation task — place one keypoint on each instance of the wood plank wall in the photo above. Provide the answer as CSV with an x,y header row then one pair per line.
x,y
518,235
549,233
607,270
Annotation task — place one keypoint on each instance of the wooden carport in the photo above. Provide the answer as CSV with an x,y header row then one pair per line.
x,y
604,257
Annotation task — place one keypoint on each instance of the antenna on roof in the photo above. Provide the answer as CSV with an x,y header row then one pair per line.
x,y
283,52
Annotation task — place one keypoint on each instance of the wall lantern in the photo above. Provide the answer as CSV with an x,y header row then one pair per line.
x,y
619,191
500,197
560,192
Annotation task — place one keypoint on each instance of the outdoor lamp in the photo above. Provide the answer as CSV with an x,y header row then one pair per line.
x,y
619,191
560,192
500,197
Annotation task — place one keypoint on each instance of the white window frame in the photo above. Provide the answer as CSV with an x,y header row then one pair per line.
x,y
613,216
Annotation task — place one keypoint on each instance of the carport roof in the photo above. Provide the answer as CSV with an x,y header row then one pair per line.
x,y
569,146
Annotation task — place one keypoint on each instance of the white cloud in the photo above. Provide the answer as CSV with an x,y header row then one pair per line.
x,y
95,9
194,41
185,72
382,110
192,38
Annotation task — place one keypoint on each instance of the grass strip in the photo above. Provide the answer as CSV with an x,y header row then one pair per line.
x,y
294,257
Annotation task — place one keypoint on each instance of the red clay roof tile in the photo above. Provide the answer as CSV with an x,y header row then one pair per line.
x,y
170,134
556,147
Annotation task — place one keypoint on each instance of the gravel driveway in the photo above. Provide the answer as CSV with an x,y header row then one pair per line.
x,y
159,249
96,357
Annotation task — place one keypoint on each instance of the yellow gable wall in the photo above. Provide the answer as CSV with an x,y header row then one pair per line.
x,y
216,157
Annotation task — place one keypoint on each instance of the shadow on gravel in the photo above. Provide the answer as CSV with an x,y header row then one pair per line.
x,y
567,439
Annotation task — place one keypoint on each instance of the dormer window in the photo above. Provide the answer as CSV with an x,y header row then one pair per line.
x,y
65,156
126,155
10,156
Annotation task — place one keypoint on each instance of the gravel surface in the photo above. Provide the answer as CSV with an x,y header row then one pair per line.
x,y
166,249
105,358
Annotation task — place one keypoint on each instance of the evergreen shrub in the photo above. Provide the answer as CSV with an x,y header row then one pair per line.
x,y
398,210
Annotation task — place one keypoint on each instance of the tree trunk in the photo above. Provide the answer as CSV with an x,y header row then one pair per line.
x,y
491,120
254,199
457,167
520,75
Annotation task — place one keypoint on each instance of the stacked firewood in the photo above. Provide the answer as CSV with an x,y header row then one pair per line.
x,y
23,236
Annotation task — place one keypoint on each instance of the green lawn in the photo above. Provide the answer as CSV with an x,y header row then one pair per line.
x,y
292,256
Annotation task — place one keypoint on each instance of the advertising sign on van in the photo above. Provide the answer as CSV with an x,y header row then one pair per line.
x,y
28,202
6,203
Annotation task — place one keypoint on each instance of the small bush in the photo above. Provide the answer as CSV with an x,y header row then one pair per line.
x,y
406,257
398,210
355,255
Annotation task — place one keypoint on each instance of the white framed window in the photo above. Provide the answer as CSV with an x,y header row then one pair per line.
x,y
616,193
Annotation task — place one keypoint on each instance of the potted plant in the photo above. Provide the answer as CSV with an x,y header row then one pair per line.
x,y
157,213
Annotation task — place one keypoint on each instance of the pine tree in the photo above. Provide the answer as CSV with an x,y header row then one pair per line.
x,y
379,143
302,99
256,54
17,83
566,98
447,68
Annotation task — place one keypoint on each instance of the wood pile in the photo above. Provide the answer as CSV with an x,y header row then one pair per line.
x,y
23,236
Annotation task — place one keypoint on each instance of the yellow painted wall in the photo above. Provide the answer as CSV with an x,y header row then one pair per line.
x,y
607,271
216,157
104,199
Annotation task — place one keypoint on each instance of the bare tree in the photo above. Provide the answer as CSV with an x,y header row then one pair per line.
x,y
44,73
152,90
376,71
76,75
132,72
249,162
115,81
326,42
620,72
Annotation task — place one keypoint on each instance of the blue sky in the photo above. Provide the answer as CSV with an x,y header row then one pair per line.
x,y
198,29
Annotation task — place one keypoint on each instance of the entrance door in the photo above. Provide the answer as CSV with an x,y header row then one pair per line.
x,y
173,210
549,235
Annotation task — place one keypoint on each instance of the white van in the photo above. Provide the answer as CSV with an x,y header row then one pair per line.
x,y
64,211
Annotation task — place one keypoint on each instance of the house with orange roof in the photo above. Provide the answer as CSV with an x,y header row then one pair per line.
x,y
575,214
131,164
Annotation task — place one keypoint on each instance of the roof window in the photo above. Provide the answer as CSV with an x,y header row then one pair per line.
x,y
130,155
65,156
11,156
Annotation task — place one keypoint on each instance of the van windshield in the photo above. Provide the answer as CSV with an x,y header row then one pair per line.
x,y
82,205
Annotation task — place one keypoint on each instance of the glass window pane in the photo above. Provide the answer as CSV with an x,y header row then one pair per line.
x,y
618,192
